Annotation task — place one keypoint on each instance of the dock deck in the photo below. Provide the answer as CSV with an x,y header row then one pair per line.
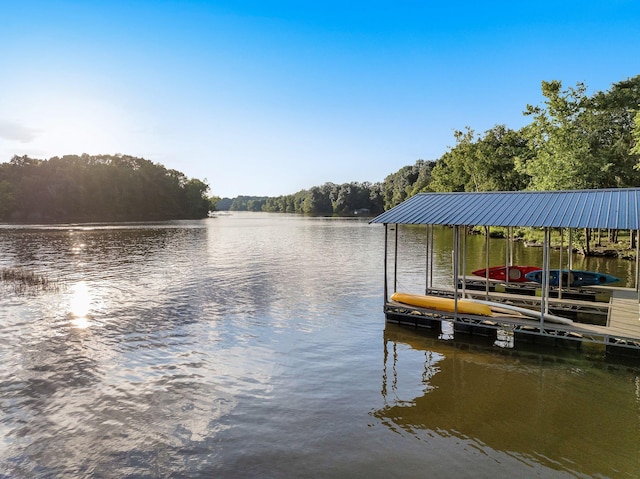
x,y
621,328
624,313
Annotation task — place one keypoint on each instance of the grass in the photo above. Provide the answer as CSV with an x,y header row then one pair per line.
x,y
23,281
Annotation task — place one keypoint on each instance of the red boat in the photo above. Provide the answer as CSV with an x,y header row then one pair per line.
x,y
516,273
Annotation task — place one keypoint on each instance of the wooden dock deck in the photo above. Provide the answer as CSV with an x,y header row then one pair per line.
x,y
624,313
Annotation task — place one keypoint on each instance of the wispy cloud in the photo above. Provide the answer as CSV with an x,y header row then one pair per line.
x,y
14,131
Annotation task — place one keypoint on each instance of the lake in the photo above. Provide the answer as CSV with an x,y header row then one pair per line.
x,y
254,346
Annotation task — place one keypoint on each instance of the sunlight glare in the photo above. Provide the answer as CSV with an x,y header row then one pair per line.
x,y
80,304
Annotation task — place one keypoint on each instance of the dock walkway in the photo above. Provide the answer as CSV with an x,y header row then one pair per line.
x,y
624,313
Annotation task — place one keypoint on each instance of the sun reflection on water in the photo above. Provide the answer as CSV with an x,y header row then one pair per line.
x,y
80,305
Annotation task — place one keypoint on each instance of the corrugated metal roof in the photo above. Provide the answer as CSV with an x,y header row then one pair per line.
x,y
616,208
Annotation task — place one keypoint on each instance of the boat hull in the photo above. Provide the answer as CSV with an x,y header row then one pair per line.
x,y
573,278
517,274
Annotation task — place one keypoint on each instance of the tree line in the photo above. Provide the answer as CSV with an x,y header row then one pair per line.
x,y
97,188
573,141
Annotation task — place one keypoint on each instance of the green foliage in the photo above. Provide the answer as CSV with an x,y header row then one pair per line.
x,y
636,137
330,199
482,164
583,142
406,182
242,203
97,188
213,202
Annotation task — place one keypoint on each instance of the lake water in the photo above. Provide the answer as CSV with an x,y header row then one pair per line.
x,y
254,346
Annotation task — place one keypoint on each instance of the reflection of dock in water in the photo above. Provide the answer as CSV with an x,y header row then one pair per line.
x,y
556,412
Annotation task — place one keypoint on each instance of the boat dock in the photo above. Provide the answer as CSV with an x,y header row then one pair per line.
x,y
553,314
620,333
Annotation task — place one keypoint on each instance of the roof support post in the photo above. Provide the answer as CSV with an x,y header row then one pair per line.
x,y
638,263
456,263
426,260
486,254
431,257
544,301
507,263
464,261
386,286
510,229
560,266
395,263
570,251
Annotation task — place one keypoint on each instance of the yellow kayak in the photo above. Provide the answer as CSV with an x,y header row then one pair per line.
x,y
442,304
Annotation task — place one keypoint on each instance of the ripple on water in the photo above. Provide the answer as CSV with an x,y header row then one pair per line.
x,y
254,346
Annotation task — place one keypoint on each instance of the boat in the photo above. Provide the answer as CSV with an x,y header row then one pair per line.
x,y
573,277
517,274
441,304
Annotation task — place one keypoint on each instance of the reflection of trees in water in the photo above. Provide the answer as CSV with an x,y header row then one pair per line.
x,y
564,414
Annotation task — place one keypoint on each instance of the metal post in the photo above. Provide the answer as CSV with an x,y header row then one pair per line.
x,y
464,261
545,287
486,246
431,257
570,251
638,263
506,259
386,286
395,263
456,260
426,260
560,269
510,246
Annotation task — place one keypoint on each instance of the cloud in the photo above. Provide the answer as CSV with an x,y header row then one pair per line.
x,y
13,131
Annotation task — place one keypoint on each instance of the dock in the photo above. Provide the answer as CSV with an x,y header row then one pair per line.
x,y
620,334
608,316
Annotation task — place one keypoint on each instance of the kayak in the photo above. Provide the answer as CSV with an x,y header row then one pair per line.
x,y
574,277
499,307
441,304
517,274
471,306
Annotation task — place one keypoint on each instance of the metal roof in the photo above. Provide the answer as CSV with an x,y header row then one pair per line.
x,y
616,208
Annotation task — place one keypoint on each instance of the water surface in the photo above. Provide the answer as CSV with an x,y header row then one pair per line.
x,y
254,345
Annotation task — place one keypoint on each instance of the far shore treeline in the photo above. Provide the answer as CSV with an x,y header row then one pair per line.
x,y
97,188
574,141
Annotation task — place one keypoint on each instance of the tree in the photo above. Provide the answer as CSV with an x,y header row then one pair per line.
x,y
317,202
398,186
97,188
423,180
636,138
454,171
482,164
562,159
609,121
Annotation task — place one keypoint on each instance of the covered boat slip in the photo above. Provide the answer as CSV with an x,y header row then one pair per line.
x,y
547,307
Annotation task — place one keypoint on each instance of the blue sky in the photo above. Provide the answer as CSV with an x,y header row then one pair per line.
x,y
270,97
